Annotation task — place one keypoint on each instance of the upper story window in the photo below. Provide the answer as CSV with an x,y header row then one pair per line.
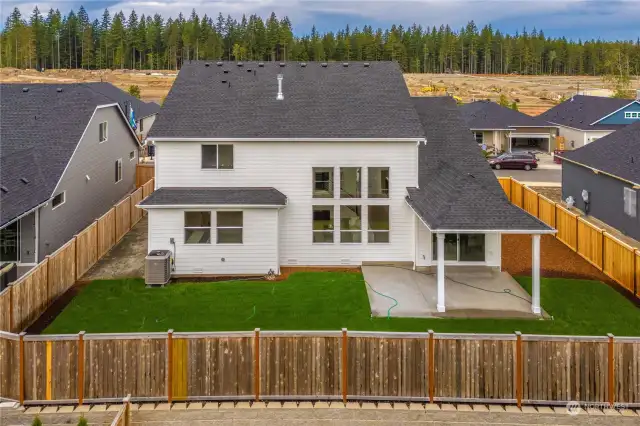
x,y
630,202
58,200
103,131
322,182
217,156
632,115
118,170
378,182
141,126
350,182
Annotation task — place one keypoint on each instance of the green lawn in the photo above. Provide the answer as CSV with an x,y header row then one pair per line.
x,y
322,301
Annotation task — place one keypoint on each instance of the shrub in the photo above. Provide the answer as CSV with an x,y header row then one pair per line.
x,y
36,422
134,90
83,422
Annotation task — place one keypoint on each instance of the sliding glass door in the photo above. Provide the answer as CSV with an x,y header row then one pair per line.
x,y
10,243
461,247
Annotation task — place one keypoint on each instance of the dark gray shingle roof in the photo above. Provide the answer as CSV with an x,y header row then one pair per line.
x,y
39,130
617,154
140,108
215,196
580,111
319,102
458,190
490,115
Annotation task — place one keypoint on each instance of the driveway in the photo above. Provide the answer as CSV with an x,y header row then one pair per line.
x,y
470,292
548,173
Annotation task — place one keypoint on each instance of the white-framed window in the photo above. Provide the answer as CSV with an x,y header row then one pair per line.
x,y
379,224
229,227
350,224
217,157
479,137
350,182
103,132
132,155
141,126
632,115
322,224
461,247
118,170
630,202
197,227
323,182
58,200
378,182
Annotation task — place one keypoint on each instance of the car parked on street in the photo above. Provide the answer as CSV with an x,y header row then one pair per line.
x,y
524,161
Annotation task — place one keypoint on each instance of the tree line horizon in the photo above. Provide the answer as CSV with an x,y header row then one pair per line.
x,y
74,40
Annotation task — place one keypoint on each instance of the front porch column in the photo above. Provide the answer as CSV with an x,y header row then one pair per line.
x,y
535,275
440,275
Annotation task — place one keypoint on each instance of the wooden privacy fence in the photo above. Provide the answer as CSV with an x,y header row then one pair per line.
x,y
320,365
616,259
144,173
23,301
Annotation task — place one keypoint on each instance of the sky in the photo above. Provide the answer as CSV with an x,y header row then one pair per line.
x,y
586,19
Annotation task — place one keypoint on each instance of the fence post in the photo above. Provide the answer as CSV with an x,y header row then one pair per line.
x,y
10,287
432,367
80,385
256,363
127,410
344,365
21,366
115,225
97,222
46,272
519,365
170,366
611,371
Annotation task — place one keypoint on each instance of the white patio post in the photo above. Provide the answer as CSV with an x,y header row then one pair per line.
x,y
440,275
535,275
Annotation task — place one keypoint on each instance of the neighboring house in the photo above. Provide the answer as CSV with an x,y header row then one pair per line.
x,y
584,119
265,165
609,171
505,129
68,154
144,112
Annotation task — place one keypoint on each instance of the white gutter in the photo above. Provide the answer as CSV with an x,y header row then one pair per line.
x,y
212,206
180,139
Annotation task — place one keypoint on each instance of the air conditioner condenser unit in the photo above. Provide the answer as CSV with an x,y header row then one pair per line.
x,y
157,270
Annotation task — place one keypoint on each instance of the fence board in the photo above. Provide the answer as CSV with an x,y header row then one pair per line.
x,y
627,372
61,270
9,368
106,232
144,173
505,183
590,242
300,366
387,367
123,218
35,372
147,188
29,297
530,201
546,210
5,309
64,371
86,249
568,370
219,366
136,213
567,225
475,369
517,193
125,366
619,261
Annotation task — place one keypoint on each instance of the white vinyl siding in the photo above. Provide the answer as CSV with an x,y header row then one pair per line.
x,y
256,255
288,167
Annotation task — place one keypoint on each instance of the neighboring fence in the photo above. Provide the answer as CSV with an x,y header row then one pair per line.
x,y
25,300
144,173
616,259
320,365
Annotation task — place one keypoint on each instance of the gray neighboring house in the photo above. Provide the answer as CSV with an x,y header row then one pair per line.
x,y
609,170
67,155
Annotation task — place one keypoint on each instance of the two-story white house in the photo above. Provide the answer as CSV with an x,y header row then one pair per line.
x,y
265,165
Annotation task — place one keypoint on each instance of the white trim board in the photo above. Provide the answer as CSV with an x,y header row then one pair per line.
x,y
229,140
212,206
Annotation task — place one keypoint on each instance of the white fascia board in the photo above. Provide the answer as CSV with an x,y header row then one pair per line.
x,y
489,130
635,101
212,206
178,139
527,126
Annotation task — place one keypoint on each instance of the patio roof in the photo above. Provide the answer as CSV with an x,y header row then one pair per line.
x,y
219,196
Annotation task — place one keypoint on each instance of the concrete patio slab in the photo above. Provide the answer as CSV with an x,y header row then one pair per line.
x,y
470,292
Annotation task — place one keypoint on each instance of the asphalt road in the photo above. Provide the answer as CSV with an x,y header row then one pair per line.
x,y
548,173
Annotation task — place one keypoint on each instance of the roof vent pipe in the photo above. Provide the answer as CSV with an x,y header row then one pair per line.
x,y
280,96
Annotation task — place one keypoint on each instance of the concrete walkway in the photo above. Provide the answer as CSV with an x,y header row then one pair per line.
x,y
469,293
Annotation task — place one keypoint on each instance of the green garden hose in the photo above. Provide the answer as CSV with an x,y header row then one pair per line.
x,y
384,295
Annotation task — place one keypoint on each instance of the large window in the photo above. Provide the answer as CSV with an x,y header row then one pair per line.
x,y
350,224
322,182
197,227
461,247
630,202
229,227
322,224
632,115
378,224
349,182
118,170
102,131
217,157
378,182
